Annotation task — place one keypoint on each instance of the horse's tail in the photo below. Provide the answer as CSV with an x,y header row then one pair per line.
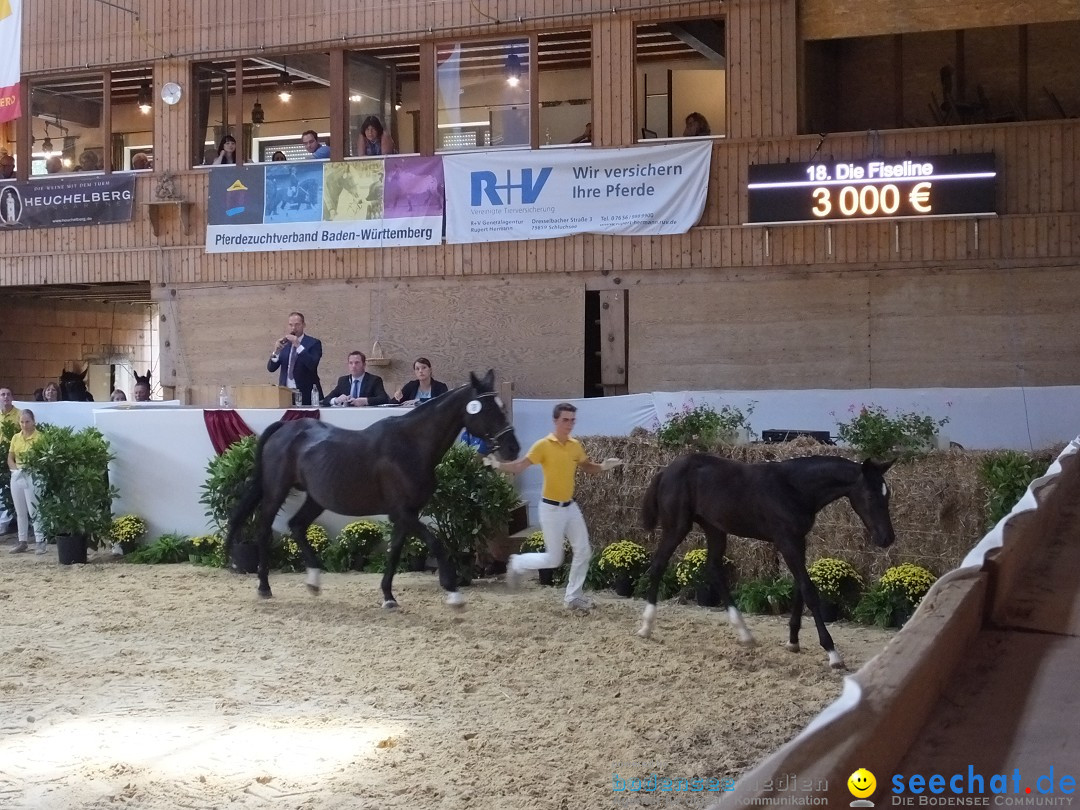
x,y
649,504
251,496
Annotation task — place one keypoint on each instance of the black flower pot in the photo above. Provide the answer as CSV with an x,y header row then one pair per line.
x,y
899,617
71,548
547,576
624,585
830,611
245,558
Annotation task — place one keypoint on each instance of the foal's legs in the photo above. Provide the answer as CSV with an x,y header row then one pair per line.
x,y
298,527
669,541
794,553
714,575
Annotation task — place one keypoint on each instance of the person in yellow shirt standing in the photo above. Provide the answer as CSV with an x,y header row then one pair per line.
x,y
560,456
23,492
8,412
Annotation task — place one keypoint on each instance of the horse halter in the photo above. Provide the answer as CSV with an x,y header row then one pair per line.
x,y
494,440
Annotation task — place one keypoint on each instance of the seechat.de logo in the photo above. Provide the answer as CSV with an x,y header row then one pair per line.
x,y
486,187
862,785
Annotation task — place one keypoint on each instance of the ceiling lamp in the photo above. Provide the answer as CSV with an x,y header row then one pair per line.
x,y
144,100
285,82
397,98
47,144
513,69
257,114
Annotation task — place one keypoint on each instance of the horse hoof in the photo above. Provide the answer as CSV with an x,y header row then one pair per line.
x,y
455,600
748,641
835,661
265,594
390,604
792,647
314,590
645,632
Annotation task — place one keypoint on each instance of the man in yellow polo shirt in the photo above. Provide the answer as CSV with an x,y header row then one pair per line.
x,y
8,412
560,456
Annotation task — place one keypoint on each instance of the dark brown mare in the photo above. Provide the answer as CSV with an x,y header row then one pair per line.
x,y
775,501
387,468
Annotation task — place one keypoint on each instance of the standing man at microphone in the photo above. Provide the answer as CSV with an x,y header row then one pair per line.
x,y
297,355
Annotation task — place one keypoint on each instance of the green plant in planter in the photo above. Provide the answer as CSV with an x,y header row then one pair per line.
x,y
895,596
227,477
209,550
702,427
690,575
836,581
877,434
292,560
770,595
169,548
354,545
624,561
7,430
471,502
1006,476
127,531
72,471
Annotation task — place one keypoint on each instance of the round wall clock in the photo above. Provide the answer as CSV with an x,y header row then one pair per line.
x,y
171,92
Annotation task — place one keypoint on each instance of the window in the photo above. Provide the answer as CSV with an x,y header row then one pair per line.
x,y
681,70
283,96
66,128
564,60
482,94
379,82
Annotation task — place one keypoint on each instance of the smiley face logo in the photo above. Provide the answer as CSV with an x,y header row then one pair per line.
x,y
861,783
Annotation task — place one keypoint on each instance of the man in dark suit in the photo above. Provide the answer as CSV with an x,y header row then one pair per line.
x,y
357,388
297,355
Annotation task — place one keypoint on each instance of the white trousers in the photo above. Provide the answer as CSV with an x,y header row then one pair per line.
x,y
24,494
558,523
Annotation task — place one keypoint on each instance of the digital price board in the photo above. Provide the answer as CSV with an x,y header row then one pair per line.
x,y
942,186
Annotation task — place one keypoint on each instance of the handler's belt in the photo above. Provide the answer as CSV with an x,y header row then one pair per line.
x,y
556,503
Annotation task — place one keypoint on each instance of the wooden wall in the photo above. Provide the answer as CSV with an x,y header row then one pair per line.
x,y
39,339
927,302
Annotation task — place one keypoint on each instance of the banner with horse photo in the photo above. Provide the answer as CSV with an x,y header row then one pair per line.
x,y
395,202
64,201
636,191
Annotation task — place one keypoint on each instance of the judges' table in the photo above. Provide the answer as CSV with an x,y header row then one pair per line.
x,y
162,454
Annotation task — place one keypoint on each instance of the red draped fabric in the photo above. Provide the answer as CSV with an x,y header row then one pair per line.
x,y
227,427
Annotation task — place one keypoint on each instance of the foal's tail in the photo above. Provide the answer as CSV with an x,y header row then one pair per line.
x,y
252,495
650,503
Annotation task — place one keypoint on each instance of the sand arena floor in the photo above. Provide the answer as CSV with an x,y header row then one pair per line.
x,y
175,687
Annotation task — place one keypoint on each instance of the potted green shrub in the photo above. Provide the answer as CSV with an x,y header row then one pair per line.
x,y
624,561
702,427
471,503
876,433
226,478
838,584
75,498
895,596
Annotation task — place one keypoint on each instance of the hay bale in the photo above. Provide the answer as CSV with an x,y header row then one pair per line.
x,y
937,506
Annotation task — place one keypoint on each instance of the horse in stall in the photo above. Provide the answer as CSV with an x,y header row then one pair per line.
x,y
73,387
387,468
776,501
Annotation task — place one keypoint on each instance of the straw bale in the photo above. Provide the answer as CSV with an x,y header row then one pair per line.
x,y
937,506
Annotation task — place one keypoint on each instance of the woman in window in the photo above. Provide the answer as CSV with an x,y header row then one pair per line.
x,y
226,151
696,124
374,140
